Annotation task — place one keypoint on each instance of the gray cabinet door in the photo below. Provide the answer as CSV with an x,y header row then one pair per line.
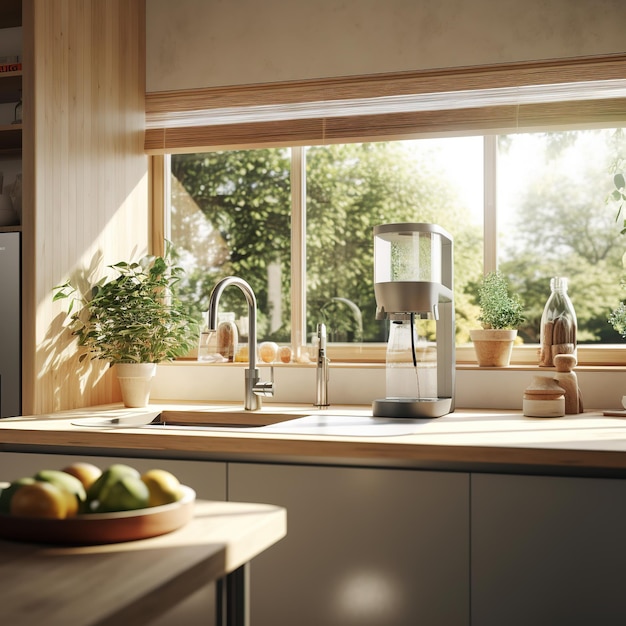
x,y
548,551
363,546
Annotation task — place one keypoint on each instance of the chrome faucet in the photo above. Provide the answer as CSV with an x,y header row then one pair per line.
x,y
321,388
254,388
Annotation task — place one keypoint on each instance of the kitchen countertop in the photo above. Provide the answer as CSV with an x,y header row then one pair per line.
x,y
588,444
124,583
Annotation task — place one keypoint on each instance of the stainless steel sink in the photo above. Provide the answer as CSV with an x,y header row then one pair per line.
x,y
345,423
231,418
228,418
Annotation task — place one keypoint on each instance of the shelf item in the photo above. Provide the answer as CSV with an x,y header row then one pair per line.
x,y
10,68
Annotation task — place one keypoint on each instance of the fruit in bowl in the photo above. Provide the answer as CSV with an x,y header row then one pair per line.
x,y
163,487
87,473
119,505
69,485
83,488
116,489
43,499
6,494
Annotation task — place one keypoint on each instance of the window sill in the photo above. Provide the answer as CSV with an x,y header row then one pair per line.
x,y
360,383
588,355
607,356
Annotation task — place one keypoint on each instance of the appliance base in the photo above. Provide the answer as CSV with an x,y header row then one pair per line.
x,y
411,408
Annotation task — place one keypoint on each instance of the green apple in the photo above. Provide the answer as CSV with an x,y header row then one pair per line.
x,y
127,493
98,493
107,479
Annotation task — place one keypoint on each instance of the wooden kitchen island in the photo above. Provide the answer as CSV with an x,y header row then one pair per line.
x,y
475,518
136,581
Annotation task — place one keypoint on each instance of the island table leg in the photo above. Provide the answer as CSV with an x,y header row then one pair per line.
x,y
232,592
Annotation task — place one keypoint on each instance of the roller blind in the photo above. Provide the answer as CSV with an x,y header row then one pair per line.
x,y
565,93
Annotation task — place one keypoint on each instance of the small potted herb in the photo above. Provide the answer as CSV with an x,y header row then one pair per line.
x,y
134,320
501,314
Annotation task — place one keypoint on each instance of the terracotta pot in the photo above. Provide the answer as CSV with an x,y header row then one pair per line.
x,y
493,346
135,382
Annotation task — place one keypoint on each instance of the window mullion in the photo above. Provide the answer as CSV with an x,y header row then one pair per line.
x,y
490,225
298,250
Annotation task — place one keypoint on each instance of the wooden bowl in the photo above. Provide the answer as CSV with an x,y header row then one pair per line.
x,y
100,528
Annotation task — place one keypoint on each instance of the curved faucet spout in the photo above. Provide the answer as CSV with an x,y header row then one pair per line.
x,y
252,401
214,301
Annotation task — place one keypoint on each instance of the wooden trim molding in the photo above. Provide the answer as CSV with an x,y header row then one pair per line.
x,y
564,92
158,191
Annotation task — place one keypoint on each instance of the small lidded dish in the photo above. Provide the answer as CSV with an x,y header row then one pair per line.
x,y
544,397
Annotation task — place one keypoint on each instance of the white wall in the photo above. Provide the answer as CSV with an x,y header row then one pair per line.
x,y
602,388
206,43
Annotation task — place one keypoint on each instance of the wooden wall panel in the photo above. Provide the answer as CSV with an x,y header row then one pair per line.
x,y
90,179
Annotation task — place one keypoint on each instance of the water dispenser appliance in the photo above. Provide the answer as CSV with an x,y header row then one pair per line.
x,y
413,283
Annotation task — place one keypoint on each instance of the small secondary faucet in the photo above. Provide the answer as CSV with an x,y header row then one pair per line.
x,y
321,388
254,388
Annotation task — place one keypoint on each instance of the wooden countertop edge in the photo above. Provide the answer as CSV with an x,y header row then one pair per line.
x,y
395,451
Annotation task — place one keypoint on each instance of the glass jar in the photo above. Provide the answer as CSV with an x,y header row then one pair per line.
x,y
207,344
227,336
558,324
411,370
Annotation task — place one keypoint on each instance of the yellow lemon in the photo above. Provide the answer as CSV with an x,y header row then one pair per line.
x,y
41,499
67,483
7,493
163,486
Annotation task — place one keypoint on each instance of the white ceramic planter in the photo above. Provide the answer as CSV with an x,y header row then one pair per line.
x,y
135,382
493,346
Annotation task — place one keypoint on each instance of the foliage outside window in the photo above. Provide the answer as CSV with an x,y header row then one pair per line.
x,y
556,219
230,215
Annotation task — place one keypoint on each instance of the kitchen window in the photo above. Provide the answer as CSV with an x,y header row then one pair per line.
x,y
232,212
502,208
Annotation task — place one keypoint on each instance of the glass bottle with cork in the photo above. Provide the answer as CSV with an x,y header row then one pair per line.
x,y
558,324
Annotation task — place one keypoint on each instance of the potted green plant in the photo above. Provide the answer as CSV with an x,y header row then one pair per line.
x,y
134,321
617,319
501,314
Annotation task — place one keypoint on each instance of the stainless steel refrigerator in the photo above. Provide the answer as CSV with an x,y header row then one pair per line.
x,y
10,325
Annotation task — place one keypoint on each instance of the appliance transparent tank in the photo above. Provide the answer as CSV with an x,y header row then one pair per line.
x,y
407,377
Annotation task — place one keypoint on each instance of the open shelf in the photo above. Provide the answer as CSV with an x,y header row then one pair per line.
x,y
10,86
10,140
11,13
